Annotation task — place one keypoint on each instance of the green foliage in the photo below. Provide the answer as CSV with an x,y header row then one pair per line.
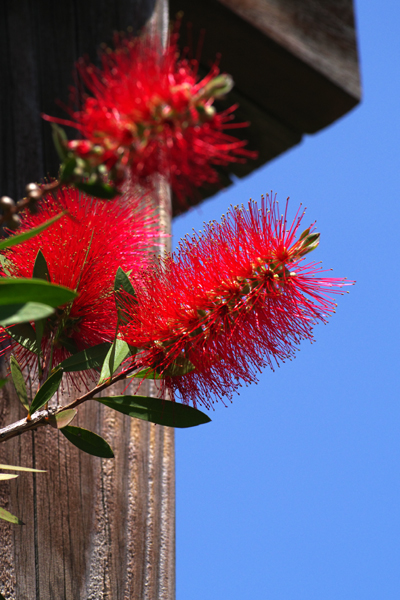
x,y
25,469
97,188
5,476
117,353
22,237
25,336
178,368
3,382
20,291
40,268
7,516
63,418
122,283
91,358
46,391
19,382
12,314
156,410
89,442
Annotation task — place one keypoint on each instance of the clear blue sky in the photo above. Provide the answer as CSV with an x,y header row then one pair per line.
x,y
293,491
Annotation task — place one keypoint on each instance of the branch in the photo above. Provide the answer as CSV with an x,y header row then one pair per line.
x,y
11,209
43,417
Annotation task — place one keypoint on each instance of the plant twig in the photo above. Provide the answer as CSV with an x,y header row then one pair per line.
x,y
34,193
42,417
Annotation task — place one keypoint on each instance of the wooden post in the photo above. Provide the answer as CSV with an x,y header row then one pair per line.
x,y
94,528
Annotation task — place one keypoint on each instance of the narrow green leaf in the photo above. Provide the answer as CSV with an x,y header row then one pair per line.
x,y
3,382
15,290
156,410
25,336
180,367
7,516
67,169
22,237
88,441
91,358
69,344
122,282
147,374
60,140
3,262
97,189
27,469
63,418
19,382
46,391
11,314
4,476
40,268
117,353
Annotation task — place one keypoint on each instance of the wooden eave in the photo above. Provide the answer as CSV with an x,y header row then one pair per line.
x,y
294,63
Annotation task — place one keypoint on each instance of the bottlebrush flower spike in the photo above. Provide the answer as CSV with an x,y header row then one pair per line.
x,y
149,112
235,299
83,251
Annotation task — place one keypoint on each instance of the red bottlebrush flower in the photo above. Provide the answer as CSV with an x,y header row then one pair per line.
x,y
149,112
83,251
232,301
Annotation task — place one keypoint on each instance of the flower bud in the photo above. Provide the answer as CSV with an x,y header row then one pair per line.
x,y
6,203
219,86
13,222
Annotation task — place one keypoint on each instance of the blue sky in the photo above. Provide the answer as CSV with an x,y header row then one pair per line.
x,y
293,491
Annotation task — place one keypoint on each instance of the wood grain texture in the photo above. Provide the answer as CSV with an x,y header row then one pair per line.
x,y
94,528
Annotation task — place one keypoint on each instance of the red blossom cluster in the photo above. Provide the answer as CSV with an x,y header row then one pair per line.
x,y
148,112
233,300
83,251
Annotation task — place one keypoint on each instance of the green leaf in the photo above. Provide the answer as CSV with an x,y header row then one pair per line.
x,y
117,353
22,237
156,410
60,140
147,374
40,268
122,282
46,391
15,291
19,382
88,441
181,366
11,314
3,382
27,469
4,476
67,169
69,344
97,189
7,516
3,262
63,418
91,358
25,336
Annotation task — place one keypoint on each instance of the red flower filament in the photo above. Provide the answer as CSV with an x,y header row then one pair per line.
x,y
83,251
233,300
149,113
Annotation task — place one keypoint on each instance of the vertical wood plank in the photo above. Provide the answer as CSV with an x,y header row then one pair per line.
x,y
94,528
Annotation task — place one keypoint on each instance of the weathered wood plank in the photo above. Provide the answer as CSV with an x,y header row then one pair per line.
x,y
94,529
